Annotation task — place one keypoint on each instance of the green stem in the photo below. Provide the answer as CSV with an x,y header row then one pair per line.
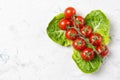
x,y
87,41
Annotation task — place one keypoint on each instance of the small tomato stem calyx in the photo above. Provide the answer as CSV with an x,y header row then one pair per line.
x,y
85,38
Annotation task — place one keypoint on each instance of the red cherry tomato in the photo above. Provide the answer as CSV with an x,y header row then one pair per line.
x,y
87,54
79,44
69,12
86,31
63,24
71,34
103,50
95,39
79,21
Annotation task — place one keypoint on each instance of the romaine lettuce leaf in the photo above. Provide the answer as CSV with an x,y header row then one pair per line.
x,y
100,24
55,33
86,66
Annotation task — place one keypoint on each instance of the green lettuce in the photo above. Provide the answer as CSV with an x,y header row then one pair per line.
x,y
86,66
100,24
55,33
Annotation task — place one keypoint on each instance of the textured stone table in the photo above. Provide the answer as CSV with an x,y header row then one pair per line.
x,y
26,52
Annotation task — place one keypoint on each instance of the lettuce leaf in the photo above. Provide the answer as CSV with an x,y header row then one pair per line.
x,y
86,66
55,33
100,24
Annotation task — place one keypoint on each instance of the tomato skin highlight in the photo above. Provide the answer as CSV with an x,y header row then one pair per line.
x,y
95,39
80,21
103,50
63,23
79,44
69,12
71,34
86,31
87,54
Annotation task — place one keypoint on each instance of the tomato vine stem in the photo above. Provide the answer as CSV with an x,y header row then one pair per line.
x,y
86,39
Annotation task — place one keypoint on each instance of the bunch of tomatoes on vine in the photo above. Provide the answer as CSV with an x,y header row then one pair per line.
x,y
82,35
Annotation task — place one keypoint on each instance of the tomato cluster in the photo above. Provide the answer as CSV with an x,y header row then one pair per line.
x,y
81,35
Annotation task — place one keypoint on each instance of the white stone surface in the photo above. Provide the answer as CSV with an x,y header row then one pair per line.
x,y
26,52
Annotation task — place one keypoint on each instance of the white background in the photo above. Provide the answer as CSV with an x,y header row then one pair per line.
x,y
26,52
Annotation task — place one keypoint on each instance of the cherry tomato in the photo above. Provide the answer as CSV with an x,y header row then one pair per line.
x,y
79,21
86,31
69,12
79,44
103,50
71,34
95,39
87,54
63,24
